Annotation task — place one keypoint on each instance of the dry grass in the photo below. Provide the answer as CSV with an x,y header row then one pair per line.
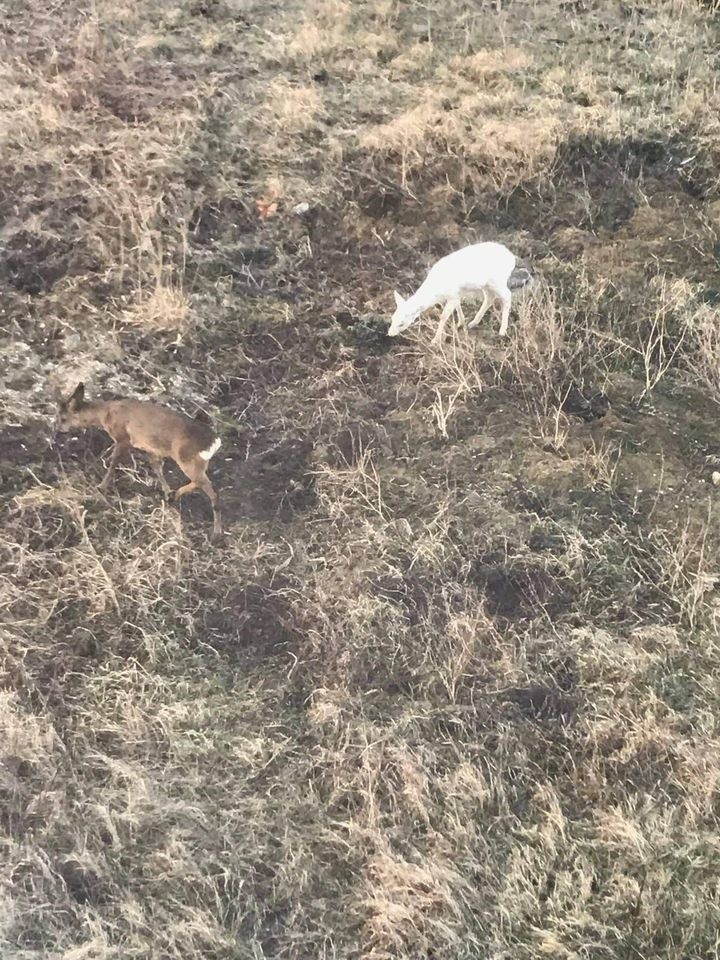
x,y
450,686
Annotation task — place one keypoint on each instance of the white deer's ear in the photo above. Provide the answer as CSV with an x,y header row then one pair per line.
x,y
398,300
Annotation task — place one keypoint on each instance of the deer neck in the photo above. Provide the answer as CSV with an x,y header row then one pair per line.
x,y
91,413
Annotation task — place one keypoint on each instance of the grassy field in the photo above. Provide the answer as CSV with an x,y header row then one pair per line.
x,y
450,689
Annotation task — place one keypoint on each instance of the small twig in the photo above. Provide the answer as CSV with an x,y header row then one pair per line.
x,y
636,917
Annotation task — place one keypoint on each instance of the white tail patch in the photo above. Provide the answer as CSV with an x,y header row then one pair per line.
x,y
211,450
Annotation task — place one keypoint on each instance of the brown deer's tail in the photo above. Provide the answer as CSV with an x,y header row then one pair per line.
x,y
211,450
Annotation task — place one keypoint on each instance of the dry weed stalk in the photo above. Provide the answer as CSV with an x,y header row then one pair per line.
x,y
603,460
539,361
442,409
357,483
689,571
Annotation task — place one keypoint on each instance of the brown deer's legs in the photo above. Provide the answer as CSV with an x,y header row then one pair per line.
x,y
186,488
199,481
157,464
209,491
118,451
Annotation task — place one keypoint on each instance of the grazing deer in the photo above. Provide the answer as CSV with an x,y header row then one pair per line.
x,y
481,268
158,431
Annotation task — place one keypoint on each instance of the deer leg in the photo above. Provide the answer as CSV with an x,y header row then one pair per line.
x,y
209,491
181,491
505,298
157,465
118,451
199,481
447,310
481,312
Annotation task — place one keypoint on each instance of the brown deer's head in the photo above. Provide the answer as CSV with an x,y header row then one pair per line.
x,y
69,411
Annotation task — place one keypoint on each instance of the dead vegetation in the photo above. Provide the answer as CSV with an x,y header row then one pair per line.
x,y
450,686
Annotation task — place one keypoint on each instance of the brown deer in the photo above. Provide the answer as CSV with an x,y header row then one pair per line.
x,y
156,430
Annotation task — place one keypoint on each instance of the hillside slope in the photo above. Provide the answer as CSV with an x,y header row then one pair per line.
x,y
450,688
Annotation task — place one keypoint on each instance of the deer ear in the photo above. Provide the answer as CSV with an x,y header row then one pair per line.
x,y
78,394
399,302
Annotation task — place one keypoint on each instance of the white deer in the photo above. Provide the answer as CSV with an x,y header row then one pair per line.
x,y
481,268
